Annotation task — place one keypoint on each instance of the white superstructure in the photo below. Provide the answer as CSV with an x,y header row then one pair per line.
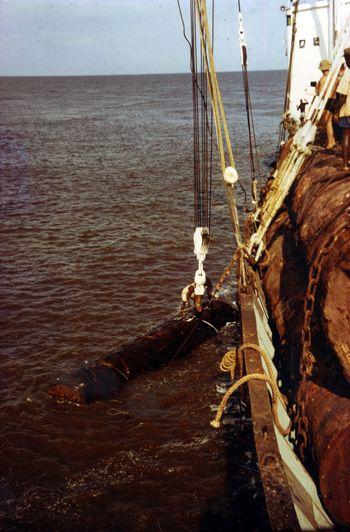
x,y
317,27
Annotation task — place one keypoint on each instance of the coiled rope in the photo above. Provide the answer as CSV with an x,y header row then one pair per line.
x,y
229,363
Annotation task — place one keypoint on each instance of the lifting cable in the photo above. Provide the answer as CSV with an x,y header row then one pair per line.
x,y
253,151
227,162
201,165
202,128
283,126
202,150
204,83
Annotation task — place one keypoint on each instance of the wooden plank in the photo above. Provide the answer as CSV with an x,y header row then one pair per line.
x,y
277,492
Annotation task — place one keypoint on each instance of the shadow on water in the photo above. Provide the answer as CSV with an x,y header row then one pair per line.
x,y
241,504
242,507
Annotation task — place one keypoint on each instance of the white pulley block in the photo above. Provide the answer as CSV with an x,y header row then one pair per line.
x,y
230,175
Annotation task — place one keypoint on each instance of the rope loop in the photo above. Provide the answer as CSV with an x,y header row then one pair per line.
x,y
229,363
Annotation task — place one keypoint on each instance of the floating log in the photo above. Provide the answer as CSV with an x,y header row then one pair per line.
x,y
316,214
175,337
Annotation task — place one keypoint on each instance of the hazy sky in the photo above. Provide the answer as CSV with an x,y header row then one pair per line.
x,y
67,37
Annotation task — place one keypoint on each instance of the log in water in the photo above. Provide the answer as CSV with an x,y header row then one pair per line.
x,y
316,217
173,338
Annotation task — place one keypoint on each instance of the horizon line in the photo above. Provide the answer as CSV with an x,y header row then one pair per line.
x,y
139,74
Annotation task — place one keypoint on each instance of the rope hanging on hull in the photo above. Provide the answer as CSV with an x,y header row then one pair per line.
x,y
232,361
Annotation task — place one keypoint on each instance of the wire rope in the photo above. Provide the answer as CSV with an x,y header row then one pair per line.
x,y
255,171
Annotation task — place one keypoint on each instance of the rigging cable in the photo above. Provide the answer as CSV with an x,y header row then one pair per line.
x,y
253,151
196,82
202,151
227,162
284,123
207,83
201,161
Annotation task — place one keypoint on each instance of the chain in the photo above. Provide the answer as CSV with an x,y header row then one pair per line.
x,y
240,253
226,272
308,359
302,425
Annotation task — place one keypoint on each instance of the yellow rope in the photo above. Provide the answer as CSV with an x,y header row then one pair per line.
x,y
206,48
215,81
229,362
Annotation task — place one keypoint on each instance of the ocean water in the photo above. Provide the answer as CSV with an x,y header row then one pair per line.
x,y
96,225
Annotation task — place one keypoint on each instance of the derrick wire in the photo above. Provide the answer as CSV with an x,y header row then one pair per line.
x,y
253,151
282,132
221,125
191,66
196,136
211,120
223,144
202,163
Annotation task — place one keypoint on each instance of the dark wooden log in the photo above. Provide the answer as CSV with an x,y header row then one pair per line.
x,y
173,338
314,211
328,416
320,205
285,281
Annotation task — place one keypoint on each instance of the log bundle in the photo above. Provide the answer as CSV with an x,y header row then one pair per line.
x,y
314,223
102,378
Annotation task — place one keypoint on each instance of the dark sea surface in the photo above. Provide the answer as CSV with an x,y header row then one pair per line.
x,y
96,228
